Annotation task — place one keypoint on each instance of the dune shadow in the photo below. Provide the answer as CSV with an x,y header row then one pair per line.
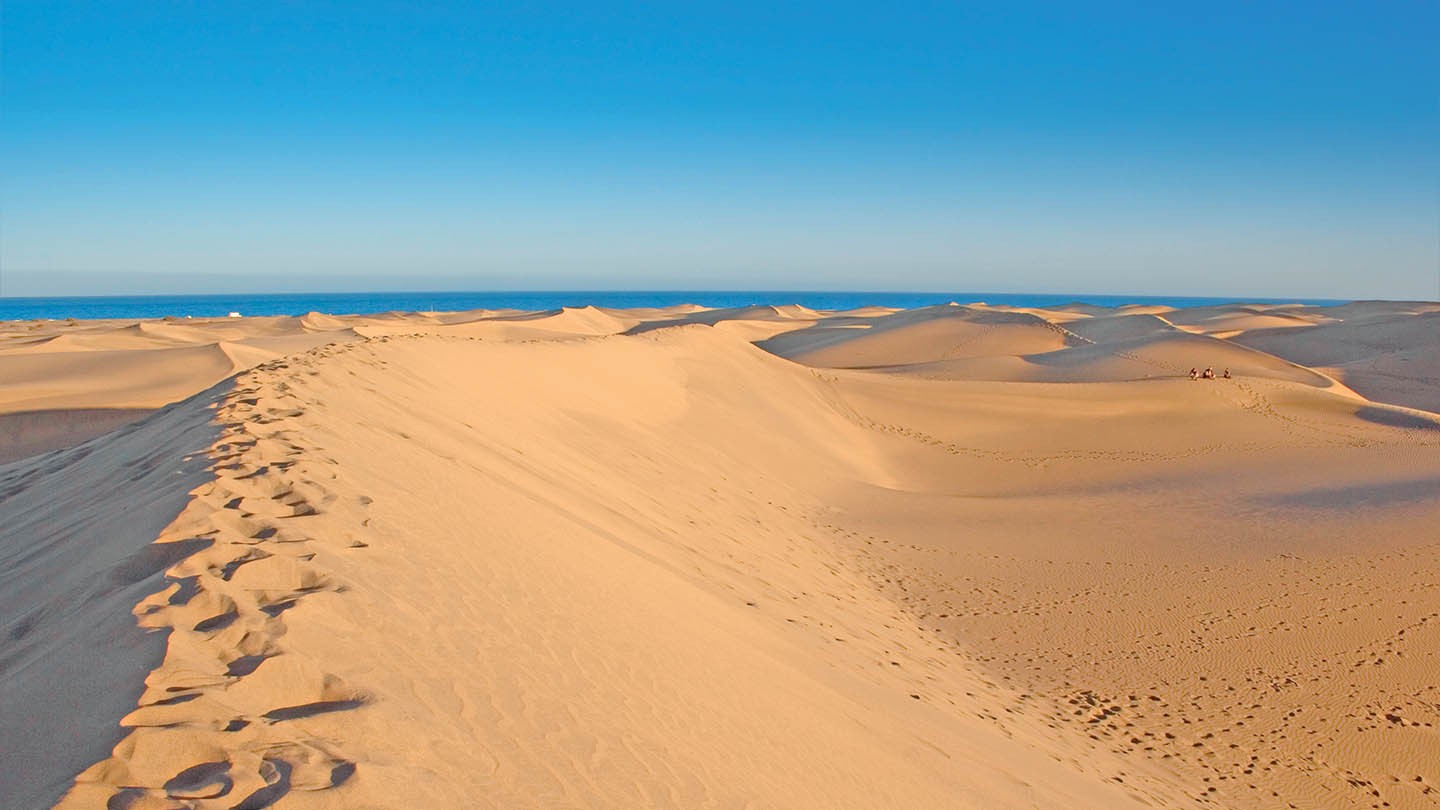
x,y
271,793
312,709
29,433
155,559
1394,493
1395,418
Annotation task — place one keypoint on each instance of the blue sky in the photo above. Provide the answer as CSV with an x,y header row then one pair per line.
x,y
1224,149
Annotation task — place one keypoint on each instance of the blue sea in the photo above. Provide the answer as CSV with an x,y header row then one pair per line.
x,y
207,306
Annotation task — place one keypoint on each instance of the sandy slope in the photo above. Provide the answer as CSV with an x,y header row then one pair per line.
x,y
1389,352
63,382
77,552
682,633
1236,585
956,557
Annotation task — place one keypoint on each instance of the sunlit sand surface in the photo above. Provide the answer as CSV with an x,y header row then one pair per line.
x,y
961,556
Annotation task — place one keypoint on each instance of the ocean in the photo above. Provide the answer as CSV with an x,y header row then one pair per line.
x,y
209,306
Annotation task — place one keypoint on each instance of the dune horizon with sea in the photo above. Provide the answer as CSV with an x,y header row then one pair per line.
x,y
822,552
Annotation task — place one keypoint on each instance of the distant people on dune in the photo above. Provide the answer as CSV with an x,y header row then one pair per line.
x,y
1194,375
1207,374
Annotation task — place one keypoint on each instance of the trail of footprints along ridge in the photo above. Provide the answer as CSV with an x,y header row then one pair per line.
x,y
220,723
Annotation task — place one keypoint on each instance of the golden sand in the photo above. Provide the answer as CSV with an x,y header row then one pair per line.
x,y
767,557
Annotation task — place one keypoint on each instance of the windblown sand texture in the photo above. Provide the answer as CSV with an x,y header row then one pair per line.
x,y
961,556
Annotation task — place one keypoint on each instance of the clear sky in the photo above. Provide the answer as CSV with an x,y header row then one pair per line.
x,y
1226,148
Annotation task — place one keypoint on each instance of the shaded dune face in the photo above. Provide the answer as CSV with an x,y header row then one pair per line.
x,y
1389,353
29,433
77,552
958,557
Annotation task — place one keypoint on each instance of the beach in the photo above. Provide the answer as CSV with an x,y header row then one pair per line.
x,y
959,556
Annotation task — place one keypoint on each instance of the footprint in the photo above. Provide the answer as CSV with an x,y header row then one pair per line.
x,y
276,775
244,665
312,709
207,780
228,570
219,621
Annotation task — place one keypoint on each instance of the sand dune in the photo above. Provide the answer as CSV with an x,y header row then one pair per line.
x,y
1111,328
1230,321
760,321
63,383
116,379
919,336
772,557
986,344
1388,352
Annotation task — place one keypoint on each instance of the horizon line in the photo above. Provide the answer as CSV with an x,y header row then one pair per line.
x,y
702,291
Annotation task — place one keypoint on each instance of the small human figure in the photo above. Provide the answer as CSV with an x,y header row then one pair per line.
x,y
1209,373
1194,375
1227,373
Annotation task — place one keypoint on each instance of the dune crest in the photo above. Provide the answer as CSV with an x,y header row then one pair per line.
x,y
286,636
